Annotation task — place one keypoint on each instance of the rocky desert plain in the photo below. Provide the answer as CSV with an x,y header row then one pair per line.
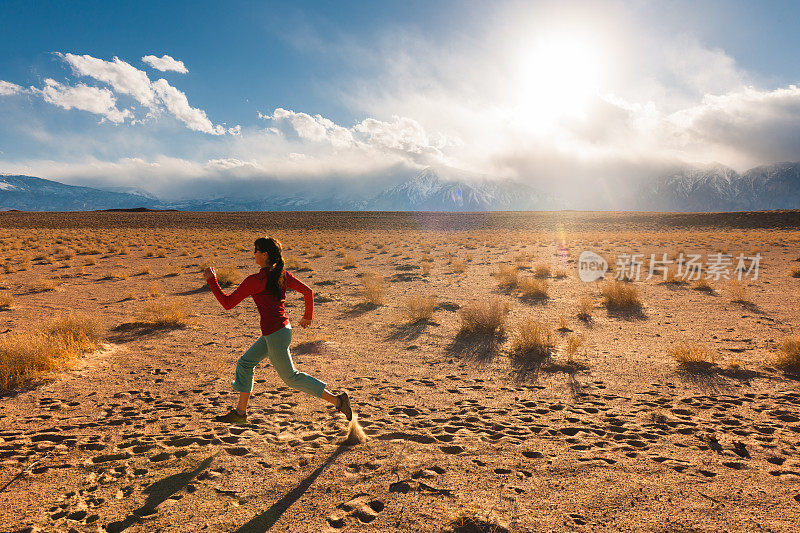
x,y
498,391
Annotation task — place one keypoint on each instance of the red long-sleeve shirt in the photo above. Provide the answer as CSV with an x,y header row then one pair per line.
x,y
271,309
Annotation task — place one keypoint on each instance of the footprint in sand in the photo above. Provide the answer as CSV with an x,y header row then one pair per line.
x,y
363,507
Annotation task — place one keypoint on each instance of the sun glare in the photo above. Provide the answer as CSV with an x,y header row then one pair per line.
x,y
559,75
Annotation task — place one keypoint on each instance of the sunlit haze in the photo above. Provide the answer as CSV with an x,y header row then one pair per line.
x,y
194,101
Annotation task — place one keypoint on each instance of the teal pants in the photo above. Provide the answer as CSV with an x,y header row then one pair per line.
x,y
276,347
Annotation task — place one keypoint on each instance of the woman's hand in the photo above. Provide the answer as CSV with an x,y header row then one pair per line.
x,y
209,273
304,322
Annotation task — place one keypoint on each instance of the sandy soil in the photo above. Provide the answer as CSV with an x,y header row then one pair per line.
x,y
126,441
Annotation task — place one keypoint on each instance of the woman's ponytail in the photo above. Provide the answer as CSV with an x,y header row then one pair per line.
x,y
274,251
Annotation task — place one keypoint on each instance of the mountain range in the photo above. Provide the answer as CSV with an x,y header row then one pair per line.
x,y
687,188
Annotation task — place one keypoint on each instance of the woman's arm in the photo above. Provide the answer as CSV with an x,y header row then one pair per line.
x,y
235,298
308,297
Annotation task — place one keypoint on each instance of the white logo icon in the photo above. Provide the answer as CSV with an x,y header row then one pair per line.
x,y
591,266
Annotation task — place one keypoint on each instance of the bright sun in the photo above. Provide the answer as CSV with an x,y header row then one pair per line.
x,y
559,75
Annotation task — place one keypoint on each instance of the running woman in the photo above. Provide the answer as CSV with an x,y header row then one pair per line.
x,y
268,289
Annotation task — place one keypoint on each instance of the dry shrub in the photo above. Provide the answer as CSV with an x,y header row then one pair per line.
x,y
227,276
418,308
738,292
118,274
44,285
523,259
533,288
795,272
673,279
426,267
533,340
89,261
585,308
6,300
165,313
574,343
507,276
458,266
144,272
703,285
349,261
560,274
154,290
691,354
56,346
485,317
621,296
542,271
292,263
208,263
788,356
374,288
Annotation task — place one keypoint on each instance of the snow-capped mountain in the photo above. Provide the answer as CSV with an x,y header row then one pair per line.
x,y
708,188
770,187
718,188
36,194
447,189
688,188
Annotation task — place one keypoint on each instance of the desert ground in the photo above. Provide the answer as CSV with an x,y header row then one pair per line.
x,y
600,425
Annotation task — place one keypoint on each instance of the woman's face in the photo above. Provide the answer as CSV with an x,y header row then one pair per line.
x,y
260,258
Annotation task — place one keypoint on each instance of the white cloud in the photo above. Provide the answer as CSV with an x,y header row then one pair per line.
x,y
121,76
124,79
748,126
403,136
92,99
8,88
165,63
177,104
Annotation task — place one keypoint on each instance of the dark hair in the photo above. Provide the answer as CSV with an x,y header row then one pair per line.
x,y
275,276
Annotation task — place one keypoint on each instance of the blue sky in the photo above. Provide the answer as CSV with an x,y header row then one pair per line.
x,y
353,90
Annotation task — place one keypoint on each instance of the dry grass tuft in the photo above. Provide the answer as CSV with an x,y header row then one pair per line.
x,y
585,308
6,301
703,285
165,313
533,340
507,276
227,276
574,343
542,271
560,274
44,285
533,288
56,346
795,272
459,266
292,263
426,267
739,293
690,354
144,272
374,288
788,356
419,308
154,290
349,261
485,317
619,295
